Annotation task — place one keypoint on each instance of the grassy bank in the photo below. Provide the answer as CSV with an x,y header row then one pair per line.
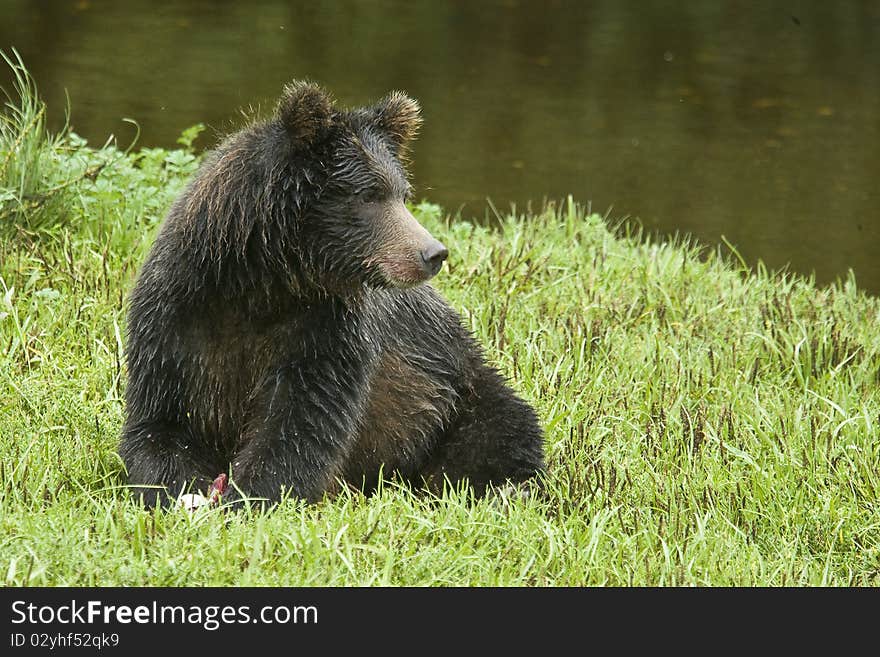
x,y
706,424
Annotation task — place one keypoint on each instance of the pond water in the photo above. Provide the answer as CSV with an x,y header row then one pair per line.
x,y
754,122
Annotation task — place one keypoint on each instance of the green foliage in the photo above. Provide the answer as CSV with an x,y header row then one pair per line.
x,y
53,183
31,187
705,424
188,136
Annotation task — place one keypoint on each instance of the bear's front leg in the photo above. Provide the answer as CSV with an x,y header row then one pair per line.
x,y
300,424
163,461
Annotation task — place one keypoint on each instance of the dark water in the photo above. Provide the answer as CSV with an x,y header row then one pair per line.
x,y
757,121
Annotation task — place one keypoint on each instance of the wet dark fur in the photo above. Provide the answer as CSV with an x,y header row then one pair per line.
x,y
277,329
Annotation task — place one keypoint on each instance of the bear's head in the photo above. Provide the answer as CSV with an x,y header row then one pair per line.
x,y
349,187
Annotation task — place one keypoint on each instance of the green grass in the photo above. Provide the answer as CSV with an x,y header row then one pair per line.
x,y
706,424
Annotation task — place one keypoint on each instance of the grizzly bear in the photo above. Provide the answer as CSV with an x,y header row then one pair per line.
x,y
281,330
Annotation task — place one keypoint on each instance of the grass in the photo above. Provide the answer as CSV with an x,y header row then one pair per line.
x,y
706,423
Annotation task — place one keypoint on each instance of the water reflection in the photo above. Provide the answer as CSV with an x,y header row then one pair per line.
x,y
753,121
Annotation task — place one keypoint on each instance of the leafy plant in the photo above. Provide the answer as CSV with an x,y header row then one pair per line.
x,y
188,136
27,153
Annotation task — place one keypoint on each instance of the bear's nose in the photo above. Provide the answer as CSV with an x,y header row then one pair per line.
x,y
433,256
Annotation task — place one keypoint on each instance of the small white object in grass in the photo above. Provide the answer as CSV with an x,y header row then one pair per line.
x,y
192,501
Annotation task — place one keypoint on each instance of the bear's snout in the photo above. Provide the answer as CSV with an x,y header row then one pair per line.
x,y
409,254
433,256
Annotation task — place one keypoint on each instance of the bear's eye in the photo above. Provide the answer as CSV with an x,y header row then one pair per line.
x,y
369,195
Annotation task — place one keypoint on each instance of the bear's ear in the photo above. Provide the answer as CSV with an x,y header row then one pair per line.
x,y
399,117
306,111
